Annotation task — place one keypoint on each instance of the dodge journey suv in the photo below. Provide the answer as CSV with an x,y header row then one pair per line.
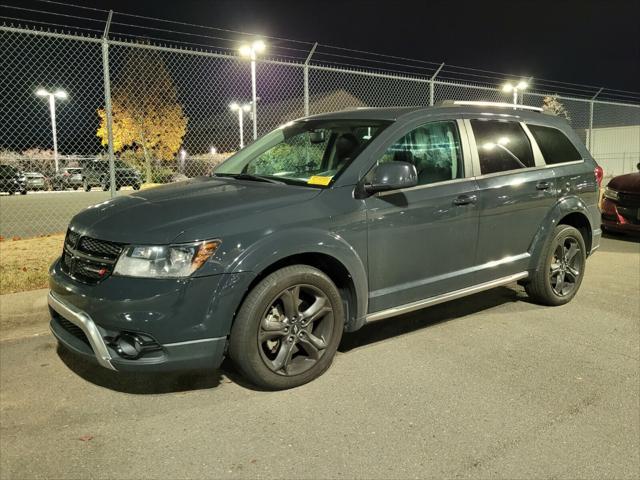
x,y
322,226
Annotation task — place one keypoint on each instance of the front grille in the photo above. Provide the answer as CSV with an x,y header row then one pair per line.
x,y
100,247
73,329
87,259
629,199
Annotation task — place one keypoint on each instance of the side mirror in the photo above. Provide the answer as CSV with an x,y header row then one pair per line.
x,y
392,176
316,136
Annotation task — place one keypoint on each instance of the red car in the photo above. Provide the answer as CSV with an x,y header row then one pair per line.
x,y
620,204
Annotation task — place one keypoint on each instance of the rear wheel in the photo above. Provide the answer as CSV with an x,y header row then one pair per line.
x,y
288,328
75,187
561,269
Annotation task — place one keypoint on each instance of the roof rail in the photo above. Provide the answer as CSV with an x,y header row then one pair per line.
x,y
492,104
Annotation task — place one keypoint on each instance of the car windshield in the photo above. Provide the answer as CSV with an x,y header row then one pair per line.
x,y
309,152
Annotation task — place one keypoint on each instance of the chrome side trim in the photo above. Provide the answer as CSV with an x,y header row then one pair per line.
x,y
84,321
190,342
445,297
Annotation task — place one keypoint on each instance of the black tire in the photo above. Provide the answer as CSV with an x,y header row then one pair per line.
x,y
11,192
75,188
309,342
136,186
23,192
559,262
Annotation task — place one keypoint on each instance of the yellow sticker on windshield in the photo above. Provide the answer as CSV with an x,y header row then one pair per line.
x,y
319,180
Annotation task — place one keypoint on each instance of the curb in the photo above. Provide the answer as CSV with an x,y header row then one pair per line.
x,y
24,314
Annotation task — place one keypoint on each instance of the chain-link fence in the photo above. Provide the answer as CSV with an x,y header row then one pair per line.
x,y
171,118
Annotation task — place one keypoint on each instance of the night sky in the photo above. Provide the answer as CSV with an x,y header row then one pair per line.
x,y
584,42
587,42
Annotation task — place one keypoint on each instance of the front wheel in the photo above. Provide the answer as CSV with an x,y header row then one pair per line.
x,y
561,269
288,328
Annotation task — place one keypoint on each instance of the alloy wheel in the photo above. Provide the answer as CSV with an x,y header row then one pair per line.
x,y
566,267
295,330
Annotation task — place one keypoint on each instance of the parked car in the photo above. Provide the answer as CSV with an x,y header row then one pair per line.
x,y
35,181
69,177
96,174
12,181
620,204
322,226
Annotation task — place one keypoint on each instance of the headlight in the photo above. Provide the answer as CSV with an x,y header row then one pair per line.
x,y
168,261
610,194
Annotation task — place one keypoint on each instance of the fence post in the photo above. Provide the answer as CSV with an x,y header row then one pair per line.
x,y
306,79
431,88
591,104
107,105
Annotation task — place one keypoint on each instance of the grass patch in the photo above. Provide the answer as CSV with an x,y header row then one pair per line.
x,y
24,264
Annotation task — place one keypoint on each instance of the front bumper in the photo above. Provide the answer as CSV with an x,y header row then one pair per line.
x,y
188,319
620,218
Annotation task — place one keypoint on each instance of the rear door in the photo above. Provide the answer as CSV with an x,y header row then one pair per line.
x,y
515,193
422,239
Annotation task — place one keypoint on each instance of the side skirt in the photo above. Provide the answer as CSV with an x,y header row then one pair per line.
x,y
445,297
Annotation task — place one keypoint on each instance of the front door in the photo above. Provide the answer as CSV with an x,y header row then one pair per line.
x,y
422,239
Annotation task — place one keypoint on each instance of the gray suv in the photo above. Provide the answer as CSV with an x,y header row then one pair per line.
x,y
321,226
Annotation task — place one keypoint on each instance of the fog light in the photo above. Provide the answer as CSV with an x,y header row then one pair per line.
x,y
132,346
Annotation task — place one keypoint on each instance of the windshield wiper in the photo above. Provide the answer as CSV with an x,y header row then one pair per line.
x,y
249,176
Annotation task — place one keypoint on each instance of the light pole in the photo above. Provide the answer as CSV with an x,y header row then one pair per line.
x,y
510,87
60,94
252,51
235,107
183,156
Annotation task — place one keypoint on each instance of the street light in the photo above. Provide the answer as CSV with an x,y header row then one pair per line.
x,y
236,107
510,87
61,95
252,51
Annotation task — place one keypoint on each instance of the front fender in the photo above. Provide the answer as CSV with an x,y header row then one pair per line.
x,y
280,245
561,209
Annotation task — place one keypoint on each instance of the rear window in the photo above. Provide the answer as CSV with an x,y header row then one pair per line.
x,y
502,146
554,145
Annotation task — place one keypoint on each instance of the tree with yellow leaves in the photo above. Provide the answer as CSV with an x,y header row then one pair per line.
x,y
147,118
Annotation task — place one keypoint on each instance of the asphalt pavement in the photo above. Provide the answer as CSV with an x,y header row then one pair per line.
x,y
490,386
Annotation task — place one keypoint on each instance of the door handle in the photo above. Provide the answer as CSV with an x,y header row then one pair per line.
x,y
543,186
464,200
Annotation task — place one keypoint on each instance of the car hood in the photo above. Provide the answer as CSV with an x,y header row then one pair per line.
x,y
160,215
626,183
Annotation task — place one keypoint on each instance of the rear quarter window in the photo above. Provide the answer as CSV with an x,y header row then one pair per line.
x,y
554,145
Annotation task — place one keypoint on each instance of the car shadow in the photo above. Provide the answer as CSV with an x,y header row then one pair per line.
x,y
404,324
140,383
623,237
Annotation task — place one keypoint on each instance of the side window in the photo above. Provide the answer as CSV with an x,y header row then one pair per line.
x,y
434,149
502,146
554,145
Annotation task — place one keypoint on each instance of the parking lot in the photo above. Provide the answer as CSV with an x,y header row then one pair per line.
x,y
45,212
488,387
